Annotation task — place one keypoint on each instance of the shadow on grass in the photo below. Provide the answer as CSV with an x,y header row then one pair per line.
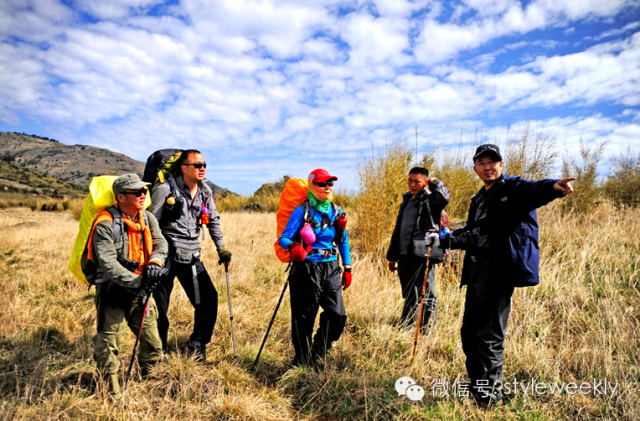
x,y
29,363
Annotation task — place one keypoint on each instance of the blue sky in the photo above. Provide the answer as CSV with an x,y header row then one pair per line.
x,y
267,88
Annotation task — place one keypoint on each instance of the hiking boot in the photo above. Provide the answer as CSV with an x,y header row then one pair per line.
x,y
114,386
318,354
299,361
144,372
486,403
199,351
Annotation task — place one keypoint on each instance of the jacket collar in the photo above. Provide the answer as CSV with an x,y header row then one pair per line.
x,y
498,183
183,186
408,195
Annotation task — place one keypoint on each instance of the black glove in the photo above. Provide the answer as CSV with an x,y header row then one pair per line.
x,y
152,277
224,255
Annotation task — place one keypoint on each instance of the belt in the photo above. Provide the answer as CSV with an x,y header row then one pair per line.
x,y
326,253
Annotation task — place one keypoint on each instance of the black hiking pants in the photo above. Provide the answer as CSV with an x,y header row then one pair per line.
x,y
486,313
411,271
202,295
314,285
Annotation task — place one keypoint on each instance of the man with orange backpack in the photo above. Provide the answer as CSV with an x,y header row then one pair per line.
x,y
127,244
315,277
419,212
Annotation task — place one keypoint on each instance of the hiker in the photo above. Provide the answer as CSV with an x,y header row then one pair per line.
x,y
315,277
131,267
183,205
501,243
419,212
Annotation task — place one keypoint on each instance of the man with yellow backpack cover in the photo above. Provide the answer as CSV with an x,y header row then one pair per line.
x,y
130,267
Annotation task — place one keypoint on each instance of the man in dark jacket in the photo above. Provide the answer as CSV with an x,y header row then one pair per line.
x,y
184,207
501,243
419,212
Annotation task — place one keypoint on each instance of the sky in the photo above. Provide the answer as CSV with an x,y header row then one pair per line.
x,y
268,88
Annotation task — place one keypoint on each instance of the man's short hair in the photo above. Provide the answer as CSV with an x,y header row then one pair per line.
x,y
419,170
184,157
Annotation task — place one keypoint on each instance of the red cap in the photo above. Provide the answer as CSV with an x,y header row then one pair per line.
x,y
320,175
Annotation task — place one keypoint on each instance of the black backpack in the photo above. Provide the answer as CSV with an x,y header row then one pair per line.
x,y
160,165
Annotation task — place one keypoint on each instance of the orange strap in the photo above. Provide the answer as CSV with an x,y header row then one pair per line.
x,y
139,250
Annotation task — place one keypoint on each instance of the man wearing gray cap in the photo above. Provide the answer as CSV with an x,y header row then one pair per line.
x,y
502,253
127,244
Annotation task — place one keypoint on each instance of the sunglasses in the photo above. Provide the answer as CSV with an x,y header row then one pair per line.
x,y
324,184
137,193
198,165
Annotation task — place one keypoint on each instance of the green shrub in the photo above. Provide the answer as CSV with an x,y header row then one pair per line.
x,y
623,184
382,179
586,189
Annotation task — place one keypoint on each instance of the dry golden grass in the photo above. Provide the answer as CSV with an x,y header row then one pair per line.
x,y
581,322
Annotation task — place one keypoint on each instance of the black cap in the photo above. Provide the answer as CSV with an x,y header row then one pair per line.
x,y
488,148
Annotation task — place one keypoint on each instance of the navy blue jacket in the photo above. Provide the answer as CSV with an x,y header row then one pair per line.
x,y
512,227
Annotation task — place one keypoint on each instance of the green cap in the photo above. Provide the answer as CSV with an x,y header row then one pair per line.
x,y
128,182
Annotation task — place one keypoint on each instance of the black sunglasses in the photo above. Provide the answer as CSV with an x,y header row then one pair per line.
x,y
137,193
198,165
324,184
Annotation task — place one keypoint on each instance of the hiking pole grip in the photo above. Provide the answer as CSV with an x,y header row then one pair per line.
x,y
233,336
419,321
135,347
255,363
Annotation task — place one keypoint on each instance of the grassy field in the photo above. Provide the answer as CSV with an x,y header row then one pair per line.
x,y
580,324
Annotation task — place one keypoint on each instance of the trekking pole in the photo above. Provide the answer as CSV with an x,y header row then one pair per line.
x,y
233,336
135,347
424,291
286,284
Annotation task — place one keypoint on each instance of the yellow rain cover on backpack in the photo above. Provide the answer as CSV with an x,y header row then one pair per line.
x,y
100,197
293,195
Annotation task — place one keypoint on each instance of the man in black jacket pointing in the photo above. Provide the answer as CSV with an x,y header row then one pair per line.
x,y
502,252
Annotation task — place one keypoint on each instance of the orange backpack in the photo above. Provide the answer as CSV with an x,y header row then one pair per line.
x,y
293,195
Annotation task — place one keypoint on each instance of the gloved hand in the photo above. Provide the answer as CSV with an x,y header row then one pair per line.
x,y
297,252
432,239
152,277
224,255
445,240
346,278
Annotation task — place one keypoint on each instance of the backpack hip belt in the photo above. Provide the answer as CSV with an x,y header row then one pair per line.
x,y
326,253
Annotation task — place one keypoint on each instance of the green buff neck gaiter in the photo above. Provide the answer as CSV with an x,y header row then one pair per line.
x,y
321,206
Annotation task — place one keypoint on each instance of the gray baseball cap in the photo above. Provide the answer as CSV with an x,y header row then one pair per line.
x,y
128,182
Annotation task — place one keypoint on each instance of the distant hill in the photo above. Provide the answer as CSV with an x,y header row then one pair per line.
x,y
75,164
17,179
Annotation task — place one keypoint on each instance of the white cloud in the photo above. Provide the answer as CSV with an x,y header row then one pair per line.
x,y
616,32
441,41
274,85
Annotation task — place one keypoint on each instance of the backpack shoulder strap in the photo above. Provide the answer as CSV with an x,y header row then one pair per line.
x,y
172,183
336,210
145,215
306,208
118,223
